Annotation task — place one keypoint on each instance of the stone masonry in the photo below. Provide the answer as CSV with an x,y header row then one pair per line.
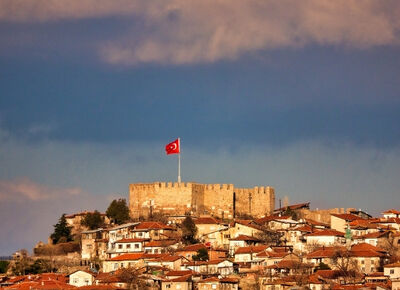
x,y
199,199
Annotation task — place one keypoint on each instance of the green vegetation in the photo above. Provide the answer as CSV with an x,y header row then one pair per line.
x,y
118,211
4,266
62,232
189,231
93,220
202,255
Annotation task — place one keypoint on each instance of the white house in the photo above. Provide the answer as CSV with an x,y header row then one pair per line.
x,y
81,278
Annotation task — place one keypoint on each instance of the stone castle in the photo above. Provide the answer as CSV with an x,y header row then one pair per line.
x,y
225,201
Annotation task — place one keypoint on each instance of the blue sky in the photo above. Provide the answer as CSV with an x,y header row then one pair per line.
x,y
300,95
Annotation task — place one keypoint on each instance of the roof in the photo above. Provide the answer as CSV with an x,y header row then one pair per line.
x,y
324,252
294,206
374,235
193,248
266,219
394,211
347,216
185,278
160,243
179,273
392,265
125,240
250,249
208,280
167,258
206,220
128,257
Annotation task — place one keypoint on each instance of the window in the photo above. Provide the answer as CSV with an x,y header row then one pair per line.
x,y
119,246
87,281
136,246
168,286
391,271
76,280
128,246
214,286
362,262
140,234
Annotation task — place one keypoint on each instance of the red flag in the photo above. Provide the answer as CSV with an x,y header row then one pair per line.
x,y
173,147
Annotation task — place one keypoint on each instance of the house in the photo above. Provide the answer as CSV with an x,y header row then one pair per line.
x,y
221,267
160,246
393,272
209,284
81,278
391,213
153,231
110,279
125,261
248,254
120,232
340,221
94,244
126,245
326,237
178,283
166,260
374,238
241,241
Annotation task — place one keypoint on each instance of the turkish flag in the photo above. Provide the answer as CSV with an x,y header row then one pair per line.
x,y
173,147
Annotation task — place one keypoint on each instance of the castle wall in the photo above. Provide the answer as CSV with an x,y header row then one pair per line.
x,y
256,201
212,199
161,197
218,200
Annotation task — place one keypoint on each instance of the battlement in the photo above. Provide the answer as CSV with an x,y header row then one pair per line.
x,y
219,186
198,198
255,190
157,185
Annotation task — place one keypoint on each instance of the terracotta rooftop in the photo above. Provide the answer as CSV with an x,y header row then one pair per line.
x,y
160,243
125,240
251,249
179,273
347,216
152,226
206,220
393,211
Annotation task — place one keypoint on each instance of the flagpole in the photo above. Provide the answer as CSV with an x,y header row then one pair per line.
x,y
179,161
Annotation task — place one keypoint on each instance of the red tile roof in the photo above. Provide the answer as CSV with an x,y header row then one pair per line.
x,y
160,243
394,211
392,265
192,248
179,273
125,240
206,220
347,216
250,249
185,278
152,226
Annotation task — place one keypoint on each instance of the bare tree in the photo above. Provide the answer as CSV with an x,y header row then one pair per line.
x,y
347,266
130,276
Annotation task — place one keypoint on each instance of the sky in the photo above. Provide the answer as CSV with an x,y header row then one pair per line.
x,y
302,95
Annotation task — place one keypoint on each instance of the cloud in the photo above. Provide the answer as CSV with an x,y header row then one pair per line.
x,y
29,209
205,31
23,189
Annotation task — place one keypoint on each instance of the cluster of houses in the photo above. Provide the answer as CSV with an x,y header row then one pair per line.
x,y
353,251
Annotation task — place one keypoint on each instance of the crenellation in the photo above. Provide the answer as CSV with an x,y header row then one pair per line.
x,y
214,199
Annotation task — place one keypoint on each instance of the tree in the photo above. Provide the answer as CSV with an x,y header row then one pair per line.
x,y
189,231
62,232
4,266
202,255
131,277
118,211
93,220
